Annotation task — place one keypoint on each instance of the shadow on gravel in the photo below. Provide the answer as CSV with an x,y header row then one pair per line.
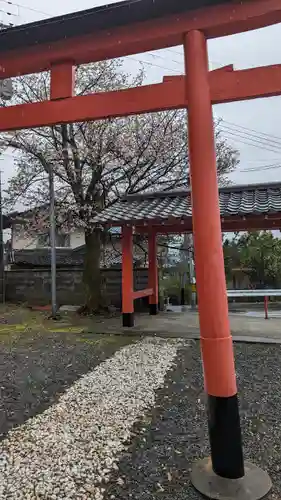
x,y
174,434
36,368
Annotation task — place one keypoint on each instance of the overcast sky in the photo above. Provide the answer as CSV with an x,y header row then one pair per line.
x,y
254,127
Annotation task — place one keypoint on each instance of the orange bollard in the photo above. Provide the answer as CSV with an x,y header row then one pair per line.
x,y
266,308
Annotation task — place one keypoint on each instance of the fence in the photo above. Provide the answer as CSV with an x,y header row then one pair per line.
x,y
265,294
34,286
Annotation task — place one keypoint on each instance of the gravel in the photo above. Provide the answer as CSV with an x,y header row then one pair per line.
x,y
174,433
37,367
72,449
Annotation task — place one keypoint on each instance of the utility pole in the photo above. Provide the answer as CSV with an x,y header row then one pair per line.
x,y
2,261
192,273
187,257
53,244
6,93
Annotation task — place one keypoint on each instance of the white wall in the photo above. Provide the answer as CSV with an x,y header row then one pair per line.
x,y
21,241
77,238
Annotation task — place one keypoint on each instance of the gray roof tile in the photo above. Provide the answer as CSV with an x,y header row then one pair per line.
x,y
234,200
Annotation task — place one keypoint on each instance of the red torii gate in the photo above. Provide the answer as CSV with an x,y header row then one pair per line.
x,y
136,26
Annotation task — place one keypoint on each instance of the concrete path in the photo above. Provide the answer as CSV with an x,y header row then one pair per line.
x,y
186,325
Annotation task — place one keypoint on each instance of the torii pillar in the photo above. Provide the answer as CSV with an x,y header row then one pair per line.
x,y
224,475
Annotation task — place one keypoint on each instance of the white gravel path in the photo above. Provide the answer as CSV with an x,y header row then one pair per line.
x,y
69,451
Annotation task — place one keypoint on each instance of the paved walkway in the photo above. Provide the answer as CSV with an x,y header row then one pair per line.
x,y
186,324
247,326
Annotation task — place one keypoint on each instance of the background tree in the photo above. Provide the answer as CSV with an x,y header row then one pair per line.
x,y
261,258
258,255
232,257
96,163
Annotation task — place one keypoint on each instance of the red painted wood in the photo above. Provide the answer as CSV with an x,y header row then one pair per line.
x,y
62,80
90,107
216,341
151,35
272,221
127,270
226,86
153,267
143,293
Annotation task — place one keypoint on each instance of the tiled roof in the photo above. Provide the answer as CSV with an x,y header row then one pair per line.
x,y
162,206
110,256
41,257
67,257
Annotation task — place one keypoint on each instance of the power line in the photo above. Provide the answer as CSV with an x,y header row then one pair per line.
x,y
164,58
8,13
153,64
8,2
246,141
251,140
238,140
255,135
262,160
175,52
260,169
252,130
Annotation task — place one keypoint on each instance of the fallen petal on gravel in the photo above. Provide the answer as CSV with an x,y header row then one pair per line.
x,y
68,451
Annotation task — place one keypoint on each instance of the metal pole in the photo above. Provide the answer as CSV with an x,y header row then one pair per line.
x,y
53,242
2,263
183,282
191,273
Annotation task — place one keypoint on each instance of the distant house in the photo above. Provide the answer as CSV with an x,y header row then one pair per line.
x,y
30,230
29,245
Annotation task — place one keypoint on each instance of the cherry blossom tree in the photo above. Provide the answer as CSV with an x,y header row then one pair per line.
x,y
95,163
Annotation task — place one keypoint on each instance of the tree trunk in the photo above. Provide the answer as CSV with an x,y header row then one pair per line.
x,y
92,275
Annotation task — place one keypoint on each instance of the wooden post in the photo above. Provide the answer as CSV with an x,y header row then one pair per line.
x,y
62,81
216,340
153,273
127,277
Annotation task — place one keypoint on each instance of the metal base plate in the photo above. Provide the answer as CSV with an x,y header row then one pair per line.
x,y
253,486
